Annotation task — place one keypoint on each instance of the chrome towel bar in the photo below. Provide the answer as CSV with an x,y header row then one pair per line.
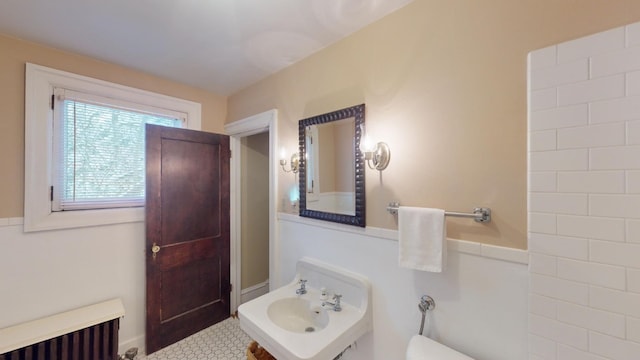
x,y
482,215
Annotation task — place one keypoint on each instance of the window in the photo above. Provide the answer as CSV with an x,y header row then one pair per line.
x,y
98,151
84,151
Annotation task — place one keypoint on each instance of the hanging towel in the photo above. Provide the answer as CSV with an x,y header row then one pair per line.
x,y
422,238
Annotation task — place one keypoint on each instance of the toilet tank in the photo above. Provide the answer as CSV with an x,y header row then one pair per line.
x,y
423,348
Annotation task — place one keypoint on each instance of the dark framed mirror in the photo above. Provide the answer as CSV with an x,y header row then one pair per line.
x,y
332,178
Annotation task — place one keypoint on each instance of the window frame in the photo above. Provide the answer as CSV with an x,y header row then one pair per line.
x,y
39,84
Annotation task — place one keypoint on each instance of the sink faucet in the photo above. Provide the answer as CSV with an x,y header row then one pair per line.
x,y
303,289
336,305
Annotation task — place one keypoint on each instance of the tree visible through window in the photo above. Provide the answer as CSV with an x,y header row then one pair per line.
x,y
100,157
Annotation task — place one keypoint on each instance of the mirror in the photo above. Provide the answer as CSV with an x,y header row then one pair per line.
x,y
331,167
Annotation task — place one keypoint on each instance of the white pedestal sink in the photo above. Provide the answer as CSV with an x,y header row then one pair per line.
x,y
297,327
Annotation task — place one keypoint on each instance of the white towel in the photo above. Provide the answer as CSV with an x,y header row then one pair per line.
x,y
422,238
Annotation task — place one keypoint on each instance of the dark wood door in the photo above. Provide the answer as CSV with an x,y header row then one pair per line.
x,y
187,221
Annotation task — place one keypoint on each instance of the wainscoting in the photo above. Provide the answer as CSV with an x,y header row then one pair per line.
x,y
481,297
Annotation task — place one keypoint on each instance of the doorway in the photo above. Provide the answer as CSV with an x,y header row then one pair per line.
x,y
264,123
254,223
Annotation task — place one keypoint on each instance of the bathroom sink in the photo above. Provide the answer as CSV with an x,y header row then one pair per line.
x,y
298,315
299,327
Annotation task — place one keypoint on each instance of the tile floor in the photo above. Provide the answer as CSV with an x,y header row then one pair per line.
x,y
222,341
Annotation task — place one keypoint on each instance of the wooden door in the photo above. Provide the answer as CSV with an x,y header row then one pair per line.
x,y
187,231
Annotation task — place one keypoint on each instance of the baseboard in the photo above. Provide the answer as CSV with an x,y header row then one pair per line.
x,y
137,341
254,291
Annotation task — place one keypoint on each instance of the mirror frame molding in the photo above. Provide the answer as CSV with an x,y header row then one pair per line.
x,y
359,219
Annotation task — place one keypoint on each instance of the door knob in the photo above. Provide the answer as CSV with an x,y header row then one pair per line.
x,y
155,249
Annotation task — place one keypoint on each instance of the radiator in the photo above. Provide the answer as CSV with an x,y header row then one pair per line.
x,y
91,334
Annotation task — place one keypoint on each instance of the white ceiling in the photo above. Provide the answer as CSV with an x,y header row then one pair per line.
x,y
217,45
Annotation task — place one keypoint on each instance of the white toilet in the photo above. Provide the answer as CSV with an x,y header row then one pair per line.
x,y
423,348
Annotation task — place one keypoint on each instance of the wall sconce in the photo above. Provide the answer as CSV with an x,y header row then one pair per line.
x,y
377,155
295,161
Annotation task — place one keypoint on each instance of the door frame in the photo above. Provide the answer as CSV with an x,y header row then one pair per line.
x,y
263,122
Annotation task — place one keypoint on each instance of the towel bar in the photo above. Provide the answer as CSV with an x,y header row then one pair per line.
x,y
481,215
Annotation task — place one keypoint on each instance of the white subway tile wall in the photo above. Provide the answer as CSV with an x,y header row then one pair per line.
x,y
543,264
563,246
577,159
544,99
618,62
633,280
542,305
591,136
583,48
633,83
561,74
591,227
611,87
627,108
633,132
541,348
633,34
543,140
566,116
584,198
633,182
543,181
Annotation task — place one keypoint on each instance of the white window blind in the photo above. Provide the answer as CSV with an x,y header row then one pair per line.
x,y
99,152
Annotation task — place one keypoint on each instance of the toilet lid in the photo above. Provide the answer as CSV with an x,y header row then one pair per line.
x,y
423,348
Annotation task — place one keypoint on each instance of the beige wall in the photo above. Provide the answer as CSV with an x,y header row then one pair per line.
x,y
255,210
15,53
444,84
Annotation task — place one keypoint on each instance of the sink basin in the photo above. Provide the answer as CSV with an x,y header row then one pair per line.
x,y
298,315
298,327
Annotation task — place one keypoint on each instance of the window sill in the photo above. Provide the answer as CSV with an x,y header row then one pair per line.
x,y
83,218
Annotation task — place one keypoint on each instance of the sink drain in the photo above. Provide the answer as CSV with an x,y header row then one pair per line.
x,y
309,329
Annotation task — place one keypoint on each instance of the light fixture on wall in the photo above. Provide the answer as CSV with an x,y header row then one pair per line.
x,y
376,155
295,161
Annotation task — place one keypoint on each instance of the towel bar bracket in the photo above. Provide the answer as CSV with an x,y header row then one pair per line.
x,y
481,215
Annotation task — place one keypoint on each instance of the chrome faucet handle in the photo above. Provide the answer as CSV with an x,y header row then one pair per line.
x,y
336,306
303,289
